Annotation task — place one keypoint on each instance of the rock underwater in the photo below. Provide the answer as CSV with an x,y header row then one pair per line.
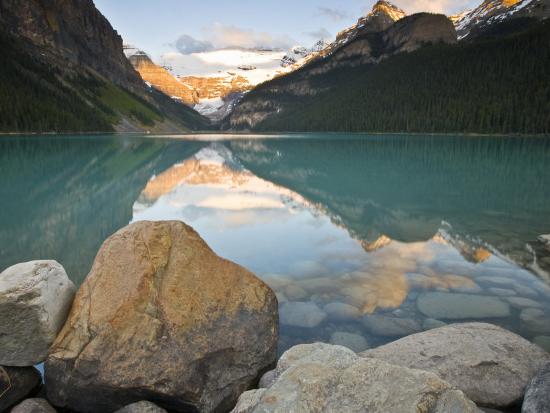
x,y
162,318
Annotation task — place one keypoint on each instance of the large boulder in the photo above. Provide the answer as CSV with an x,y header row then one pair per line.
x,y
35,298
161,317
324,378
17,383
492,366
33,406
537,396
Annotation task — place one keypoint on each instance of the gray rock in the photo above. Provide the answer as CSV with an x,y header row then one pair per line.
x,y
503,282
342,312
141,407
490,365
521,302
321,378
525,291
354,342
534,322
537,396
295,293
33,406
267,379
35,299
501,292
16,384
545,239
301,314
543,342
461,306
431,323
390,326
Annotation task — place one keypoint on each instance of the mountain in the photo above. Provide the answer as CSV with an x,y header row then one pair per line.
x,y
413,77
212,96
367,46
487,16
64,70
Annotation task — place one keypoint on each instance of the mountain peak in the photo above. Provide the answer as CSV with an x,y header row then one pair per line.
x,y
388,9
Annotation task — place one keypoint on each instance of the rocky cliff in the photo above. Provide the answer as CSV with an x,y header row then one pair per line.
x,y
64,70
73,31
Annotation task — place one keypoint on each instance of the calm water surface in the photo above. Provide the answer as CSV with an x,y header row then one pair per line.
x,y
364,238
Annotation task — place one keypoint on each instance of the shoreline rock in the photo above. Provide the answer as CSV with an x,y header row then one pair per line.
x,y
319,378
161,317
35,299
16,384
492,366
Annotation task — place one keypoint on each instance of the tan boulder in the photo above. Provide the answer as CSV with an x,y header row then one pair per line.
x,y
161,317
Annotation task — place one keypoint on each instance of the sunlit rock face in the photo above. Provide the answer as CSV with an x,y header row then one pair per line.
x,y
476,22
328,274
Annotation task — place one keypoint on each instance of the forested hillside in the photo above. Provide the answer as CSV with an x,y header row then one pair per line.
x,y
63,70
496,84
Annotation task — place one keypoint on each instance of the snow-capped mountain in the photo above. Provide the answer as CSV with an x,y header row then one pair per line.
x,y
381,17
491,12
298,54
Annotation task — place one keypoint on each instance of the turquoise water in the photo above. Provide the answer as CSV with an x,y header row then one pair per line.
x,y
364,238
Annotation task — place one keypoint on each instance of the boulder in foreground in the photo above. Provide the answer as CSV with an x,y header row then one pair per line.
x,y
537,396
16,383
318,378
161,317
492,366
141,407
35,298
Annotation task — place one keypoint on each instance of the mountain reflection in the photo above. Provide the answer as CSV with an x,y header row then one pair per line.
x,y
357,250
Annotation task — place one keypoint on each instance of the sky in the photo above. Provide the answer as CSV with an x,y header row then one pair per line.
x,y
163,26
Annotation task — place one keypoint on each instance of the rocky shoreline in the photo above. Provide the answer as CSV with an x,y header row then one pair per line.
x,y
162,324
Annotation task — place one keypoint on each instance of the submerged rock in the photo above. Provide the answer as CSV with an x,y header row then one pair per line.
x,y
35,298
324,378
354,342
431,323
342,312
461,306
33,406
543,342
161,317
141,407
16,384
381,325
534,321
490,365
302,314
537,396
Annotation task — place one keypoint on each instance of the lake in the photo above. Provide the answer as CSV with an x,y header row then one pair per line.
x,y
364,238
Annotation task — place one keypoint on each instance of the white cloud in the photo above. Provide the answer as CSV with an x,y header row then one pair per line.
x,y
334,14
434,6
321,34
187,45
224,36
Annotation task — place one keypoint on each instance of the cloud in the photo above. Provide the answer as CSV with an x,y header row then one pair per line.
x,y
188,45
334,14
320,34
434,6
224,36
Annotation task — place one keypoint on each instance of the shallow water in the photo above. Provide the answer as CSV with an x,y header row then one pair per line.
x,y
364,238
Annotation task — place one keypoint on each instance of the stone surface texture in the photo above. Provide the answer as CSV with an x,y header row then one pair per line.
x,y
141,407
35,299
537,396
161,317
17,383
34,406
492,366
324,378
